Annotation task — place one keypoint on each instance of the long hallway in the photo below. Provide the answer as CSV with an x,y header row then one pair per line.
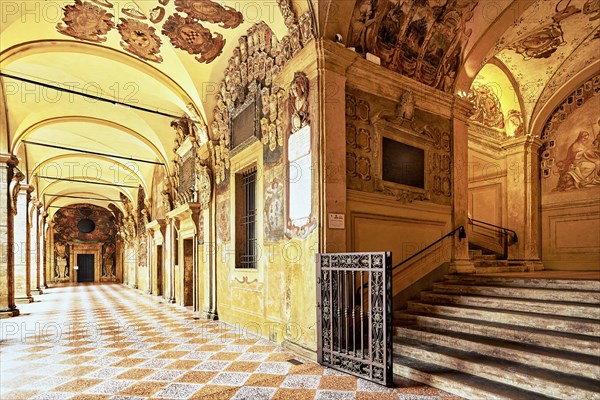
x,y
111,342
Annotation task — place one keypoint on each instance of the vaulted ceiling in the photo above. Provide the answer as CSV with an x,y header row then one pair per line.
x,y
170,55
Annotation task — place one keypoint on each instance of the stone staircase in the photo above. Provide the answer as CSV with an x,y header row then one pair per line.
x,y
494,337
490,263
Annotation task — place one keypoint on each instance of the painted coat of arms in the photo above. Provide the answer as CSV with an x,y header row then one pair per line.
x,y
140,39
189,35
209,11
86,21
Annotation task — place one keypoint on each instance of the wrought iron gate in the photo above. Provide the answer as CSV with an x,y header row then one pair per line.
x,y
354,292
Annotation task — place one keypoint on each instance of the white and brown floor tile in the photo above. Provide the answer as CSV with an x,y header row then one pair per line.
x,y
94,342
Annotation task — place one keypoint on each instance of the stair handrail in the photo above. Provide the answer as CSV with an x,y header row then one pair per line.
x,y
462,234
505,230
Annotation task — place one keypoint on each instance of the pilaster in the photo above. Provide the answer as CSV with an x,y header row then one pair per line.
x,y
22,246
462,109
523,196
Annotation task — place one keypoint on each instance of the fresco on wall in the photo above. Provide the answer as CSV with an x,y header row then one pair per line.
x,y
570,159
274,200
487,108
420,39
83,223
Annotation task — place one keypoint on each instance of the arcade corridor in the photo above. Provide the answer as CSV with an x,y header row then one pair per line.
x,y
110,342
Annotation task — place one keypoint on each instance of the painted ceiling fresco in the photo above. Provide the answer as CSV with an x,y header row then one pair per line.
x,y
421,39
95,19
550,43
84,223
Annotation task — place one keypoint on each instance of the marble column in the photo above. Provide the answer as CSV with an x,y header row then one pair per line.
x,y
462,109
523,196
43,251
7,284
209,310
34,247
22,247
50,260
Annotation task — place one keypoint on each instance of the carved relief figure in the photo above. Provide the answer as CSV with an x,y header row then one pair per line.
x,y
62,270
581,166
189,35
109,265
140,39
361,24
203,185
86,21
209,11
15,187
299,102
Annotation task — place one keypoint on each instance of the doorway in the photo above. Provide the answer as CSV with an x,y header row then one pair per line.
x,y
188,268
85,273
159,270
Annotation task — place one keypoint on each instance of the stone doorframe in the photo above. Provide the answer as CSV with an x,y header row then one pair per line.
x,y
86,248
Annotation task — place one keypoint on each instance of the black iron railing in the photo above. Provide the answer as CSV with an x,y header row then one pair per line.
x,y
507,236
462,234
355,327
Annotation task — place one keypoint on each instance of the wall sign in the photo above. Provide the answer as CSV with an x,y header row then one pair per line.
x,y
337,221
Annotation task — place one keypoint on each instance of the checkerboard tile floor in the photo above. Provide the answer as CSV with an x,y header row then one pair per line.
x,y
111,342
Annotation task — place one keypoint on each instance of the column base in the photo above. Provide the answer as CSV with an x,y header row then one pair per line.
x,y
36,292
24,300
462,267
534,265
211,315
305,352
7,313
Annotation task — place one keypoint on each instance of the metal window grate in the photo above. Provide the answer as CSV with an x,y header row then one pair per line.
x,y
247,258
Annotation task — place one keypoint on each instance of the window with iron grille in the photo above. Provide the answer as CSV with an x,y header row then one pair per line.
x,y
246,252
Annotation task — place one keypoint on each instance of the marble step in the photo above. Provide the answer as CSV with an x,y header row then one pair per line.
x,y
565,309
549,322
573,284
559,361
590,297
547,383
481,257
488,268
587,345
459,383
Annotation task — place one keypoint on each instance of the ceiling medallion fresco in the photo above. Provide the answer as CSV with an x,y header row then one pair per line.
x,y
544,42
422,39
86,21
189,35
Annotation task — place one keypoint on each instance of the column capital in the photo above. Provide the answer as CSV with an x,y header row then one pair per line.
x,y
462,109
9,159
526,142
26,188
